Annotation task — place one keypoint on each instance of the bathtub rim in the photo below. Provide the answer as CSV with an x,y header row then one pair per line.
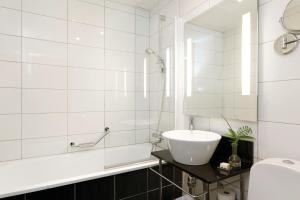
x,y
106,172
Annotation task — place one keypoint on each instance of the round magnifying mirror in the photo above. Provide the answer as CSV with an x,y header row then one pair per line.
x,y
291,16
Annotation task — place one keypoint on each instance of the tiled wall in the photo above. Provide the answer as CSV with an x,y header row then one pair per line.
x,y
279,96
69,68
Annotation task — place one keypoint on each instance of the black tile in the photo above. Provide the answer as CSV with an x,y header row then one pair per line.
x,y
153,179
60,193
130,184
176,193
137,197
19,197
177,176
99,189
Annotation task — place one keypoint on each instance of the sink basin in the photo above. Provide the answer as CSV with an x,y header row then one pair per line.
x,y
192,147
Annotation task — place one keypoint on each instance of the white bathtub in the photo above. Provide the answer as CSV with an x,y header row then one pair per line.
x,y
29,175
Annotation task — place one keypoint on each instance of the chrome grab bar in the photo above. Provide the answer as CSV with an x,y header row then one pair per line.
x,y
90,144
180,188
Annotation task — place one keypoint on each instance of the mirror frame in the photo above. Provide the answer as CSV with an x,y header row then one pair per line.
x,y
281,20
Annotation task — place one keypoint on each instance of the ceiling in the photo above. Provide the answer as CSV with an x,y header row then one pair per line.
x,y
146,4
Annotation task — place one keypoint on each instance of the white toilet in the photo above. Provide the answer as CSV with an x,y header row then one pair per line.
x,y
275,179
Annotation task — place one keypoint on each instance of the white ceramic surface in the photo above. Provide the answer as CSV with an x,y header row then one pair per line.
x,y
275,179
28,175
192,147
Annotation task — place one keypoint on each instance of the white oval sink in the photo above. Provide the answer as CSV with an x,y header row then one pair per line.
x,y
192,147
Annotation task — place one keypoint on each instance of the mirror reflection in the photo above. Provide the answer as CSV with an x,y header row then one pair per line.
x,y
221,62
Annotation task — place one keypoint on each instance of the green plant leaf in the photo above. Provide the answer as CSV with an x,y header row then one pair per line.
x,y
232,133
247,138
244,130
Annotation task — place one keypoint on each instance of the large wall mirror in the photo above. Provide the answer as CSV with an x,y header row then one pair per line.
x,y
221,59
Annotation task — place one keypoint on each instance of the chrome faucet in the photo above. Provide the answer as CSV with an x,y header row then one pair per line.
x,y
191,123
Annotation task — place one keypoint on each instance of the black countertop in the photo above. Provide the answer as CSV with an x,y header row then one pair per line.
x,y
208,173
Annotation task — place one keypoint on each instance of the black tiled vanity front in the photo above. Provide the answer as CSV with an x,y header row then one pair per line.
x,y
136,185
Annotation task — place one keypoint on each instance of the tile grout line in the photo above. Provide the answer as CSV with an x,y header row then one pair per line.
x,y
135,65
22,80
68,138
104,82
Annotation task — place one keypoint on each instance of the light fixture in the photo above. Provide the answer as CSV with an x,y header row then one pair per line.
x,y
246,54
189,63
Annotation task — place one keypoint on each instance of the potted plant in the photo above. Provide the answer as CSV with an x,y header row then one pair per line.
x,y
243,133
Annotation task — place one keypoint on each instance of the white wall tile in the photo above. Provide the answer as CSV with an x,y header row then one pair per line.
x,y
278,140
44,146
142,12
122,81
141,44
10,48
121,41
117,101
142,120
117,60
47,28
142,63
89,79
142,136
142,82
86,122
53,8
10,74
15,4
269,14
86,13
90,57
121,138
10,150
120,120
83,34
10,127
44,52
142,25
10,21
84,101
119,20
142,101
275,95
286,67
44,101
99,2
10,101
44,76
44,125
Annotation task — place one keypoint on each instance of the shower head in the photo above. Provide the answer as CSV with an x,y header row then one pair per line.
x,y
150,51
160,60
